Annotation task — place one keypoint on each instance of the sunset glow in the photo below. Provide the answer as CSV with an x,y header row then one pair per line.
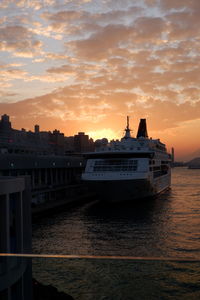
x,y
84,65
99,134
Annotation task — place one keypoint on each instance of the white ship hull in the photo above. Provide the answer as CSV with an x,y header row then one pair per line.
x,y
129,190
130,169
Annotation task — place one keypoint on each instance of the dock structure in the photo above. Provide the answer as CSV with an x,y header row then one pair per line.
x,y
15,237
53,178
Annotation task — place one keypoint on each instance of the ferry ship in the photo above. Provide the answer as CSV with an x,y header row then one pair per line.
x,y
129,169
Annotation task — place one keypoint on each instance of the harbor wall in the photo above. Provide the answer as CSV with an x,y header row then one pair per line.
x,y
55,180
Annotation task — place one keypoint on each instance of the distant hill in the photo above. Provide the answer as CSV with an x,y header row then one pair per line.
x,y
194,163
191,156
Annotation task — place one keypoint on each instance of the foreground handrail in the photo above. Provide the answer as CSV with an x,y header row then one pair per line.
x,y
111,257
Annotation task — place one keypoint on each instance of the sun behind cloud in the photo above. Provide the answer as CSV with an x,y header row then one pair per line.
x,y
83,65
103,133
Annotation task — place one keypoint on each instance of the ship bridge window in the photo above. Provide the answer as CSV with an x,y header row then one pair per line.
x,y
115,165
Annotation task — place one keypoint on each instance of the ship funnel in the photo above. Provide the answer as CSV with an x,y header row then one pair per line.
x,y
142,129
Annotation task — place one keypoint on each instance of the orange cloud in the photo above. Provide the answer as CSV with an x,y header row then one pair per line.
x,y
112,59
19,40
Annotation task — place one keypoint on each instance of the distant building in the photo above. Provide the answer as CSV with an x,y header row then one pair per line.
x,y
15,237
69,144
37,128
40,142
82,143
5,124
100,142
57,142
21,141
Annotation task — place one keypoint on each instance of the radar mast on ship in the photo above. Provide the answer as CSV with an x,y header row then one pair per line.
x,y
127,130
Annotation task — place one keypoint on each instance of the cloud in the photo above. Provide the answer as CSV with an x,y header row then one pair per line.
x,y
49,78
19,40
81,22
65,69
11,74
183,25
189,5
99,45
56,56
77,104
148,28
63,16
26,4
96,61
4,94
107,39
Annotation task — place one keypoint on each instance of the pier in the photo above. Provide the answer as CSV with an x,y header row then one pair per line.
x,y
55,180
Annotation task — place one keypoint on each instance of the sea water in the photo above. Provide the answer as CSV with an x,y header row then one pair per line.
x,y
163,232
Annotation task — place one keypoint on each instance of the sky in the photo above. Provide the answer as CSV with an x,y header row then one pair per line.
x,y
84,65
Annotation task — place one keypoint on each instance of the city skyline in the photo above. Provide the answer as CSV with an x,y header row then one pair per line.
x,y
85,65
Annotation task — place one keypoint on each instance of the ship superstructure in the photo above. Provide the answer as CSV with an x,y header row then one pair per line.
x,y
129,169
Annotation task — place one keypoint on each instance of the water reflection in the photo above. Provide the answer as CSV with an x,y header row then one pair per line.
x,y
142,211
131,229
101,278
121,279
165,226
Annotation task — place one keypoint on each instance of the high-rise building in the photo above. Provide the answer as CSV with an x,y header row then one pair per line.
x,y
82,143
37,128
40,142
5,124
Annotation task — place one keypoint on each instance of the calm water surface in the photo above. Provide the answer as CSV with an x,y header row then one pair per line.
x,y
168,226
